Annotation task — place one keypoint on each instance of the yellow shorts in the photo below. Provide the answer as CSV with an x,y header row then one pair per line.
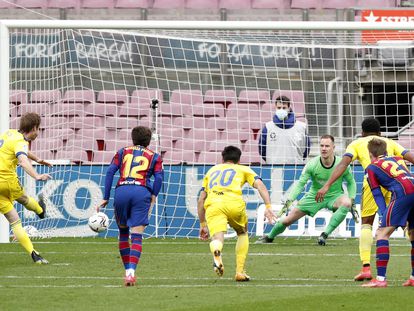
x,y
368,205
10,190
219,215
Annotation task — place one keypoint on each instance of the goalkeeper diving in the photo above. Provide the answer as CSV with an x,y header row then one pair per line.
x,y
318,170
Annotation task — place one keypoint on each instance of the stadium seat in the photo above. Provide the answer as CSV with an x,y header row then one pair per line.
x,y
254,97
251,146
102,157
97,4
242,136
297,100
251,158
190,122
132,4
178,157
338,4
45,154
175,109
115,145
203,134
54,122
377,4
79,96
15,122
244,111
144,121
222,124
169,4
222,97
208,111
193,145
306,4
63,134
235,4
43,144
164,122
266,112
64,4
121,123
191,97
202,4
43,109
118,97
133,111
76,156
406,142
218,145
13,111
17,97
9,4
32,4
85,122
144,97
45,96
211,158
170,133
270,4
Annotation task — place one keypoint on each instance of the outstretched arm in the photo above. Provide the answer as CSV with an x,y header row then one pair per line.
x,y
260,186
35,158
338,171
28,168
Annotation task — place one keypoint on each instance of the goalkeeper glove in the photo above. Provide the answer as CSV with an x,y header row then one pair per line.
x,y
354,212
285,208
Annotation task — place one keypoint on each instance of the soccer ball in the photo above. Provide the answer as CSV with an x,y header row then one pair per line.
x,y
98,222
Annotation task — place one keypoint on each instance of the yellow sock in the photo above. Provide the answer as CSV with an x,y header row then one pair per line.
x,y
22,236
216,245
365,244
242,248
32,205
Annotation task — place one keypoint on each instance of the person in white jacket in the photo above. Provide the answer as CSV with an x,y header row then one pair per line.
x,y
284,140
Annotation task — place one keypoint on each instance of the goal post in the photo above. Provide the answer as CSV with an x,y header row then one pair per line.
x,y
216,83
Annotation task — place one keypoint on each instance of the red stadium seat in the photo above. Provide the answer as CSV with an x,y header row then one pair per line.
x,y
32,4
63,134
222,124
43,144
191,97
251,158
222,97
54,122
132,4
339,4
45,96
271,4
97,4
79,96
204,134
235,4
208,111
193,145
169,4
15,122
76,156
244,111
42,109
178,157
242,136
85,122
103,157
211,158
144,97
82,144
144,121
9,4
190,122
175,109
45,154
254,97
406,142
251,146
118,97
133,111
219,145
115,145
306,4
202,4
121,123
64,4
13,111
377,4
170,133
17,97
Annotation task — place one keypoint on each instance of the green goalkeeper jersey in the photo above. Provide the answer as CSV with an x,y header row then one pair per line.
x,y
319,175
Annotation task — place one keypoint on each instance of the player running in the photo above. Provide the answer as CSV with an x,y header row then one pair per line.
x,y
392,174
358,150
135,194
14,149
318,171
221,203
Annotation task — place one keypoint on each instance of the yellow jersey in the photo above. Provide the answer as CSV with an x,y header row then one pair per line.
x,y
358,149
224,182
12,144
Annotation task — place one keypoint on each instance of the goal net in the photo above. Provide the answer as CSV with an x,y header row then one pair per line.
x,y
215,88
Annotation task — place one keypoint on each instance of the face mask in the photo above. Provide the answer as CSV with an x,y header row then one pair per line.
x,y
281,114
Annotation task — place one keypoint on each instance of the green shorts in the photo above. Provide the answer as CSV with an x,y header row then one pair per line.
x,y
310,207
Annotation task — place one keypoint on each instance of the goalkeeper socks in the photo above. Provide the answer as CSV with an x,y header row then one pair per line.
x,y
383,255
136,249
33,205
216,245
242,248
22,236
336,219
365,244
123,245
277,229
412,258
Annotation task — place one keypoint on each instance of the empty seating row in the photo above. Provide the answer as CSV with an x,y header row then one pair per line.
x,y
197,4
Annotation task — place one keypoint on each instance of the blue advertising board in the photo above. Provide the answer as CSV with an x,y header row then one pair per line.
x,y
75,191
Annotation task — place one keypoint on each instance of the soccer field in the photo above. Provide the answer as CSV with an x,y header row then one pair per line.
x,y
290,274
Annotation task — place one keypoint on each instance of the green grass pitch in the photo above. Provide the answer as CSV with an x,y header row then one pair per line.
x,y
177,274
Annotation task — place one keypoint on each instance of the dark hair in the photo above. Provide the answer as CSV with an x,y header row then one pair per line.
x,y
371,125
29,121
283,99
377,147
231,153
141,135
327,136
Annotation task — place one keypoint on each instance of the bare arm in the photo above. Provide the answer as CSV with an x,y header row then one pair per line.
x,y
260,186
338,171
28,168
35,158
202,215
409,156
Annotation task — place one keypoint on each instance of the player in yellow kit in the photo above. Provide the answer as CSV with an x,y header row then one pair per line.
x,y
14,149
358,150
221,203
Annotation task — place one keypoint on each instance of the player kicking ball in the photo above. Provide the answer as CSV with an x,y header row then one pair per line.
x,y
392,174
221,203
135,194
318,170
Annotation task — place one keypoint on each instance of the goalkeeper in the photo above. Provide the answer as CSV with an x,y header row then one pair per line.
x,y
318,170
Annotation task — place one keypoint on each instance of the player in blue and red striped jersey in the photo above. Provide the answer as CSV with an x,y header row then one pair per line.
x,y
140,180
392,174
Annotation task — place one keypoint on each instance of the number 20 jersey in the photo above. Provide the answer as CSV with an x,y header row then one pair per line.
x,y
136,165
223,183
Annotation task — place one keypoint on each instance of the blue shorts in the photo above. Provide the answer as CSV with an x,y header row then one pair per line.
x,y
398,212
132,204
